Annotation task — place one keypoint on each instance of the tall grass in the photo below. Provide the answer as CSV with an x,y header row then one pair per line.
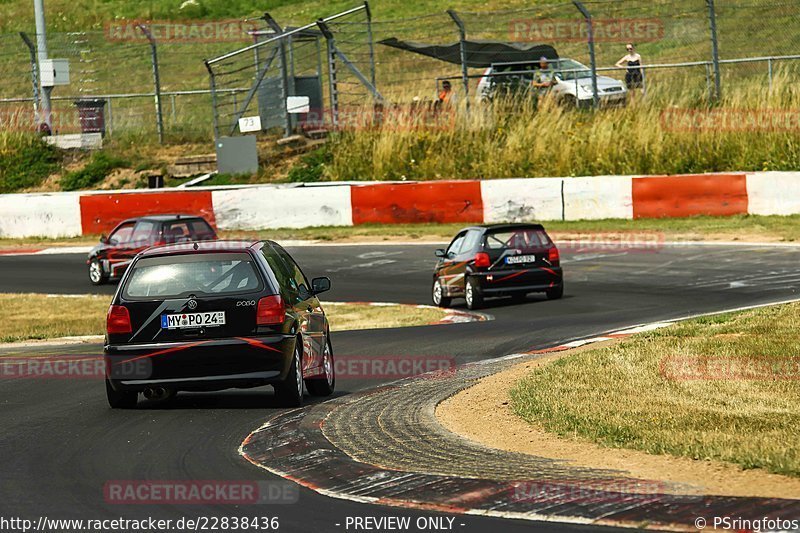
x,y
514,138
25,161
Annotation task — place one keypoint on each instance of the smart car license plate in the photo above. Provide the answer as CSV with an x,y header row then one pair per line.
x,y
193,320
520,259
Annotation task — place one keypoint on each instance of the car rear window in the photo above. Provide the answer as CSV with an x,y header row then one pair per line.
x,y
522,239
199,274
201,230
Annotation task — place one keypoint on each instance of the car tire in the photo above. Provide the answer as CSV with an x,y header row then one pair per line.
x,y
97,276
120,399
556,292
325,386
290,391
472,293
437,295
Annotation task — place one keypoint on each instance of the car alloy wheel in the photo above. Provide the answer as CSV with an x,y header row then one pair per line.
x,y
327,365
437,293
469,295
298,360
95,272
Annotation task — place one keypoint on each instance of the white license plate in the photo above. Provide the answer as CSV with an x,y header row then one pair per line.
x,y
193,320
519,259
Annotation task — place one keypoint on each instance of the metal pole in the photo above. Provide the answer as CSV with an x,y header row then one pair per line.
x,y
371,45
287,119
41,47
712,18
34,72
462,37
333,87
769,69
213,86
156,81
592,58
110,117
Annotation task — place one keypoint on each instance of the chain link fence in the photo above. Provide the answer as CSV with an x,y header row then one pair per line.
x,y
349,62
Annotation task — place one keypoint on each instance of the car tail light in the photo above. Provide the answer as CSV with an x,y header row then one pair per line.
x,y
482,260
553,257
270,311
118,320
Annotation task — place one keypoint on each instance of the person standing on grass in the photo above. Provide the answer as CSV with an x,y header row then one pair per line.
x,y
543,79
633,61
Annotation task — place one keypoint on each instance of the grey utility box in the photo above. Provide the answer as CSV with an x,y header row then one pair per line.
x,y
237,155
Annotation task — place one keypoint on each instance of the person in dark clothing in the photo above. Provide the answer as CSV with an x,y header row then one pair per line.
x,y
633,61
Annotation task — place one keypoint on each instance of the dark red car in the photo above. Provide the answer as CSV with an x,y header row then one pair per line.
x,y
111,257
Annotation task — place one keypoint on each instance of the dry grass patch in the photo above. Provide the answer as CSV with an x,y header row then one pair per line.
x,y
349,316
38,316
724,387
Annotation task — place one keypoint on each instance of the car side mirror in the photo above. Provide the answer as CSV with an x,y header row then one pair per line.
x,y
103,239
319,285
440,253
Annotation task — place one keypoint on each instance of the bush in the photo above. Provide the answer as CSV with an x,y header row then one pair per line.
x,y
25,161
312,166
98,168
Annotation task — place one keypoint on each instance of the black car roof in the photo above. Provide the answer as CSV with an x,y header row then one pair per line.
x,y
202,247
164,218
506,226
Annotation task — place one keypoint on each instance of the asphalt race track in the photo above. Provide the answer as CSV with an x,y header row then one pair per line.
x,y
60,443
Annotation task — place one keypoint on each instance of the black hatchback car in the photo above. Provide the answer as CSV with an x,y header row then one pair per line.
x,y
216,315
497,260
111,257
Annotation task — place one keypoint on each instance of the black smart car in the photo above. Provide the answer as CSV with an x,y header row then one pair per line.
x,y
216,315
497,260
110,258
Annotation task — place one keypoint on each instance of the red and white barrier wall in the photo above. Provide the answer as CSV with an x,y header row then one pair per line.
x,y
347,204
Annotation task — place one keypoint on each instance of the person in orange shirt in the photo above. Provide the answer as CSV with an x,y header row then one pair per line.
x,y
446,94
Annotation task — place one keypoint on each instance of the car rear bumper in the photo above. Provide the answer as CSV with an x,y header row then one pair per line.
x,y
201,364
533,279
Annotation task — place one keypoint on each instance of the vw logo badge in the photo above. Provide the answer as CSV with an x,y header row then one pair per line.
x,y
192,304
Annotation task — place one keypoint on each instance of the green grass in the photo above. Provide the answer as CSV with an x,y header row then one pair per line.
x,y
636,394
25,161
100,166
